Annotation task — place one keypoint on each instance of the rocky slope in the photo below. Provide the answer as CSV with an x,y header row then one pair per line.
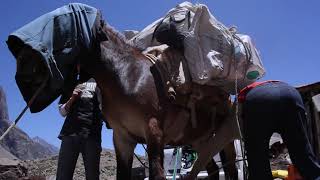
x,y
45,144
3,105
6,154
18,142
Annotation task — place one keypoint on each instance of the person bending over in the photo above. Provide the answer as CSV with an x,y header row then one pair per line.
x,y
269,107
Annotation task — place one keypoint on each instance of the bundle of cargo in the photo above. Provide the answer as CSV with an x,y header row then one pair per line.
x,y
213,54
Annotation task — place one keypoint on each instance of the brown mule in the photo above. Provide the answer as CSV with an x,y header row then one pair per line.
x,y
137,115
134,111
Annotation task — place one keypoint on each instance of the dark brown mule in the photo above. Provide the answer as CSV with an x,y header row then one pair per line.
x,y
134,111
132,107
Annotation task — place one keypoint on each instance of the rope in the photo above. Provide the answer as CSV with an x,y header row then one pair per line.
x,y
144,147
152,58
143,164
176,163
25,108
248,56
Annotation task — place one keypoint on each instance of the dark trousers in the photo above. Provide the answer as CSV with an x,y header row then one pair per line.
x,y
276,107
71,146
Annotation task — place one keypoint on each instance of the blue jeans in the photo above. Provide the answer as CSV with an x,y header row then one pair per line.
x,y
71,146
277,107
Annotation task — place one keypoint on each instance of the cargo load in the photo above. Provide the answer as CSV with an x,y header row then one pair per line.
x,y
214,54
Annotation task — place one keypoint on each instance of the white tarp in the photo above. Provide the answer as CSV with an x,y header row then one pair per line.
x,y
214,54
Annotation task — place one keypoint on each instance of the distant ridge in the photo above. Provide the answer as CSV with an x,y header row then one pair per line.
x,y
17,142
45,144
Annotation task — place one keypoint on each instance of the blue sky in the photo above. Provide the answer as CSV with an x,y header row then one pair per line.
x,y
286,33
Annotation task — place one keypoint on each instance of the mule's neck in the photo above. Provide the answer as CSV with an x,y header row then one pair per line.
x,y
117,55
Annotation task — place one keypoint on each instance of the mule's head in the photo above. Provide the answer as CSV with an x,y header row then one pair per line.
x,y
33,70
48,49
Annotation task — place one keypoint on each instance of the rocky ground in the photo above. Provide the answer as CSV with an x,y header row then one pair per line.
x,y
47,167
279,155
281,162
12,169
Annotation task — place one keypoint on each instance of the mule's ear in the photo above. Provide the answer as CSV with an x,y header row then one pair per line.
x,y
15,45
101,34
84,76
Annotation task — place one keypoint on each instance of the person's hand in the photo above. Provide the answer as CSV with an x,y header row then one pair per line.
x,y
77,92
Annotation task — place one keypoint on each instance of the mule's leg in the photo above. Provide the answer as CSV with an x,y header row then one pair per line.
x,y
227,132
228,158
212,170
124,148
155,150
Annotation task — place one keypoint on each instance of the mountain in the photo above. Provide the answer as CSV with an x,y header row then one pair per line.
x,y
6,154
53,149
17,142
3,105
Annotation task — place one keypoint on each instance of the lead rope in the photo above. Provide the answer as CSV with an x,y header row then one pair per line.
x,y
143,164
239,128
25,108
176,163
233,32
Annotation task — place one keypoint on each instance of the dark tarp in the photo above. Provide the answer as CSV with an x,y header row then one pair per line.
x,y
55,39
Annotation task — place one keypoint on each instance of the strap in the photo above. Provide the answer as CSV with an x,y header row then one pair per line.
x,y
152,58
242,94
44,83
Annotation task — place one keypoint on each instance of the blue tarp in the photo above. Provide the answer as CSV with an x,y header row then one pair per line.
x,y
56,38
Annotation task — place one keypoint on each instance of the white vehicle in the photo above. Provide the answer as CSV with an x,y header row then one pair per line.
x,y
179,161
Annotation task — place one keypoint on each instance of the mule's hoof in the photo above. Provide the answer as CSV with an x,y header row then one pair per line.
x,y
185,177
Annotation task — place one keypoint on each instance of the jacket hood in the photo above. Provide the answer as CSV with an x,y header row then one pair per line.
x,y
55,41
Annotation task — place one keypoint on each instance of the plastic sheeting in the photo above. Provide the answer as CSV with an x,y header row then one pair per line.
x,y
214,54
56,38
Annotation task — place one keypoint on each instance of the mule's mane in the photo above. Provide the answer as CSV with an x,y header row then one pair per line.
x,y
120,44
